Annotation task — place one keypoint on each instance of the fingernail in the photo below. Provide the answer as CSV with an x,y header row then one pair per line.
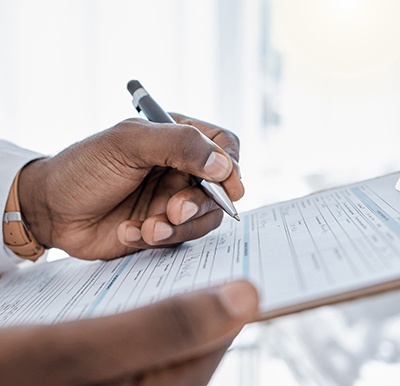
x,y
188,210
162,231
217,166
238,298
132,234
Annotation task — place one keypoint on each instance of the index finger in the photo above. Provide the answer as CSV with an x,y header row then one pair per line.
x,y
229,142
223,138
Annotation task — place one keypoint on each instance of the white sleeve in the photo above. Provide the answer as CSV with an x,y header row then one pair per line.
x,y
12,159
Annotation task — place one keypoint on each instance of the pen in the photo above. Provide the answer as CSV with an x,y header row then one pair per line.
x,y
144,103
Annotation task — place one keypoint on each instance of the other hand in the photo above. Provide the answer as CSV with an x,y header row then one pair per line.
x,y
178,341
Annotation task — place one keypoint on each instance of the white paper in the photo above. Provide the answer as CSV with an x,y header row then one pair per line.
x,y
294,252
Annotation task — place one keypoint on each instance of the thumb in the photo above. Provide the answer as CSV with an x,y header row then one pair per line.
x,y
171,331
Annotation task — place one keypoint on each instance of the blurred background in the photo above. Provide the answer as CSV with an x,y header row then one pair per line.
x,y
311,87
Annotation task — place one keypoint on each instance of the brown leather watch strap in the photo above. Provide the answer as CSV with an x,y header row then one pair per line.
x,y
16,233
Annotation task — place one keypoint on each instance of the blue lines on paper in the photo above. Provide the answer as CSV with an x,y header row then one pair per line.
x,y
386,218
246,247
103,293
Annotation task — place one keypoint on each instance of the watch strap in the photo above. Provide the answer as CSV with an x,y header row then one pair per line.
x,y
16,233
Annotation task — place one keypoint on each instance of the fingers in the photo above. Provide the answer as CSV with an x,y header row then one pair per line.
x,y
158,231
227,141
189,204
189,214
166,222
168,333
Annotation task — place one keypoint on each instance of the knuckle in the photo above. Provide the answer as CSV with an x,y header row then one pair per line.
x,y
127,142
188,231
189,133
218,216
188,146
127,124
210,205
234,149
234,137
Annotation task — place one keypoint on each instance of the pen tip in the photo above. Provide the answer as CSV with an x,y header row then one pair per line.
x,y
236,217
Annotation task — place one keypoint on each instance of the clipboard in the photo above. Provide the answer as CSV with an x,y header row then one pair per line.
x,y
324,248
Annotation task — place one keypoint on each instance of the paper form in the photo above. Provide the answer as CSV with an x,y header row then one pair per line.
x,y
310,248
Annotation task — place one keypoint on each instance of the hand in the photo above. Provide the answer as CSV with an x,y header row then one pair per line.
x,y
179,341
128,188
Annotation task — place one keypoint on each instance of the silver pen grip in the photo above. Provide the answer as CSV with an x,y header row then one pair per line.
x,y
217,192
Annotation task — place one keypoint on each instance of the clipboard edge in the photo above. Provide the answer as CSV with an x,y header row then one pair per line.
x,y
330,300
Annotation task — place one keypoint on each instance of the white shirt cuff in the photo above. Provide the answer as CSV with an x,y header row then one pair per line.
x,y
12,159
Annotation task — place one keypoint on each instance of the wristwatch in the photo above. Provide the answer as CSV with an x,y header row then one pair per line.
x,y
16,233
